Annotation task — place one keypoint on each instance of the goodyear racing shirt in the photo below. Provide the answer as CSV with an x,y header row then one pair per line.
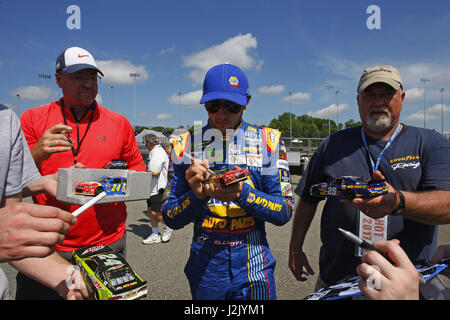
x,y
417,160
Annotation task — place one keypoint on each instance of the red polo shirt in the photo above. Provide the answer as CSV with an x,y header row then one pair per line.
x,y
109,136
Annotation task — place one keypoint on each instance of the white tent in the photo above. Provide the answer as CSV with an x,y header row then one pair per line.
x,y
140,136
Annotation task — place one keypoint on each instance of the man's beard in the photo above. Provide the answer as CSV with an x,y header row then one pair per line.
x,y
379,123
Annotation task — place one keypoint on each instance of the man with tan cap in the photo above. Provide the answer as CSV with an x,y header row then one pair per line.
x,y
415,163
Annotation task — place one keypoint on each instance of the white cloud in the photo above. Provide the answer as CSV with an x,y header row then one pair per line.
x,y
277,89
418,116
438,108
159,116
297,98
328,112
118,71
431,113
146,115
34,93
167,50
413,94
163,116
438,74
416,94
190,99
342,66
236,50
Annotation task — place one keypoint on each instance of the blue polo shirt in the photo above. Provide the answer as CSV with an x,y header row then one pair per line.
x,y
417,160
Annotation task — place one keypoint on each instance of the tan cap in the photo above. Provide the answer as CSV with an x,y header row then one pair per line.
x,y
151,138
385,73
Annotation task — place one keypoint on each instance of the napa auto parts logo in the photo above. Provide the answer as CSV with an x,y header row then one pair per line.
x,y
234,82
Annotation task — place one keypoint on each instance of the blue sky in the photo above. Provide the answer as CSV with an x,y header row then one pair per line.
x,y
283,46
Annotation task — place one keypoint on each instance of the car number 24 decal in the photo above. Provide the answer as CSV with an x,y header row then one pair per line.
x,y
117,186
110,259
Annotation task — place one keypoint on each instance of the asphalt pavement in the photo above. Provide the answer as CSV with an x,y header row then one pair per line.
x,y
162,264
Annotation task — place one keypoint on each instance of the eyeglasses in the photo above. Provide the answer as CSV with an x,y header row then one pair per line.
x,y
214,106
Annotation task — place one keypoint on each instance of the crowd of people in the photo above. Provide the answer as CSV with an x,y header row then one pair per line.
x,y
230,256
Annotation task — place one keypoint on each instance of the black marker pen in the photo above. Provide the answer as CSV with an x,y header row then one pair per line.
x,y
363,243
367,246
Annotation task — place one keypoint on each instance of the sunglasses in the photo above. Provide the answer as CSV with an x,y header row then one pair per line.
x,y
214,106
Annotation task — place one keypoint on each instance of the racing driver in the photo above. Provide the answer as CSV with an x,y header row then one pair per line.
x,y
230,257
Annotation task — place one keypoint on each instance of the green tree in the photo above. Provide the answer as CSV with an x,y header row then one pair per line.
x,y
352,123
305,126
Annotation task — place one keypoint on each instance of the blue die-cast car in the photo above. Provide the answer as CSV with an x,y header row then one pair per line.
x,y
349,187
116,164
112,186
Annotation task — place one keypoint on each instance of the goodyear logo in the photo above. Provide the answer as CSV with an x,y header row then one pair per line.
x,y
405,162
407,158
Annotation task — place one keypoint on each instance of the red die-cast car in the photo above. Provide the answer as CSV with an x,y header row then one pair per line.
x,y
226,177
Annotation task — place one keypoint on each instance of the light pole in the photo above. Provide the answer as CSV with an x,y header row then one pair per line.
x,y
112,97
134,76
337,109
44,76
424,80
18,105
290,120
442,111
179,109
329,86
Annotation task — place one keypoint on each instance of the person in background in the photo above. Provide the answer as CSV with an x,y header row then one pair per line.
x,y
167,145
158,165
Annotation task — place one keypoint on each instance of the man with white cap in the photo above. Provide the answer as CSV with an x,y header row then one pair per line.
x,y
76,131
415,163
230,257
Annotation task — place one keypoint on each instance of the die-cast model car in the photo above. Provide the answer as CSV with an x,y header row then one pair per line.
x,y
350,187
116,164
107,275
226,177
112,186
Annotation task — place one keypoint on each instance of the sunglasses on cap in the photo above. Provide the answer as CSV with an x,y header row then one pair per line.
x,y
214,106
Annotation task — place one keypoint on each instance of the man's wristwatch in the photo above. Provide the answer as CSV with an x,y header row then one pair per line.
x,y
401,207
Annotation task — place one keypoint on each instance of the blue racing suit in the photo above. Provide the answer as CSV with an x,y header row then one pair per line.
x,y
230,257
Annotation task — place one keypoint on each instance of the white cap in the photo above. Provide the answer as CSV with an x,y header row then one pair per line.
x,y
75,59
